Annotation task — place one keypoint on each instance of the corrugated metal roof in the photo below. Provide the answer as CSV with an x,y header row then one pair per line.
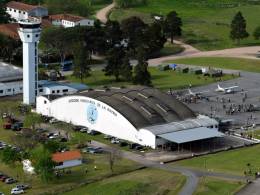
x,y
190,135
182,125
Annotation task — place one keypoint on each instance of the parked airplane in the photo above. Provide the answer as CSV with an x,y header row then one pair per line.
x,y
199,93
227,89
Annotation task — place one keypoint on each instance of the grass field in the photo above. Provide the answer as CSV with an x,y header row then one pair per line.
x,y
234,161
205,23
146,181
219,62
160,79
213,186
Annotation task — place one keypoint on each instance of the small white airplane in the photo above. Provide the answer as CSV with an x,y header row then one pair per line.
x,y
227,89
199,93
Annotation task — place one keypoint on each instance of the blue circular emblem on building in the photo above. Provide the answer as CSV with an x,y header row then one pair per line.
x,y
92,113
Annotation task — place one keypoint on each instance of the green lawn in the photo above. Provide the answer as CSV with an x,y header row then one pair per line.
x,y
213,186
234,161
170,49
160,79
219,62
205,23
254,133
146,181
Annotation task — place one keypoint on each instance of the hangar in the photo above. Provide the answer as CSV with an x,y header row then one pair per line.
x,y
141,115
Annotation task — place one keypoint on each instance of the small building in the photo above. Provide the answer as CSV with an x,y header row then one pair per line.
x,y
11,88
44,88
69,20
67,159
21,11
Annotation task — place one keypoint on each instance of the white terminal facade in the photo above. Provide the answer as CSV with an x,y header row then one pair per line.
x,y
29,32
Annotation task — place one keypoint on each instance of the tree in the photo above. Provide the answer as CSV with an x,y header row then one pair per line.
x,y
257,33
134,32
8,47
81,62
114,62
141,73
31,120
10,156
113,33
172,25
53,146
4,17
43,164
126,69
112,157
238,28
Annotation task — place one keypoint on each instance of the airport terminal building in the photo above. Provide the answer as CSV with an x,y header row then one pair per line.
x,y
141,115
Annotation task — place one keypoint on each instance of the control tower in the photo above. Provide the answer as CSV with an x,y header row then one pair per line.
x,y
29,32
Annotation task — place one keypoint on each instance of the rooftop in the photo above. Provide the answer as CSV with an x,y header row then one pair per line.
x,y
68,17
66,156
21,6
142,106
10,73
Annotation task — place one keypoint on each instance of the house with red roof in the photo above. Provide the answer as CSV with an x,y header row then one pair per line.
x,y
69,20
21,11
67,159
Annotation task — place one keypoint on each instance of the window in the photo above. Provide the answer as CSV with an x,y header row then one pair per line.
x,y
40,90
21,88
19,11
52,91
14,10
45,102
23,12
28,36
1,91
36,35
58,91
9,90
60,163
65,90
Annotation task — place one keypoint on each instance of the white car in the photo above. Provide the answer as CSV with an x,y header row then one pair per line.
x,y
115,141
53,120
17,191
54,136
84,130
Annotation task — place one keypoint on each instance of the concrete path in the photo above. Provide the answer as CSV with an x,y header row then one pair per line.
x,y
251,189
103,13
191,174
189,52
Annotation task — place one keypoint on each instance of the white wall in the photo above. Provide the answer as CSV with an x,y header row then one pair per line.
x,y
21,15
12,88
17,14
70,163
85,22
147,138
73,109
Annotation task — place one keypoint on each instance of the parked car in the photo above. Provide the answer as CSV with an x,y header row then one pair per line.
x,y
77,128
17,191
17,126
115,141
7,125
3,178
92,132
40,130
54,136
122,144
53,120
84,130
23,186
1,193
107,137
10,180
92,150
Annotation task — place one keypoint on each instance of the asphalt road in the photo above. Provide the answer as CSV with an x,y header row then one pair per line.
x,y
191,174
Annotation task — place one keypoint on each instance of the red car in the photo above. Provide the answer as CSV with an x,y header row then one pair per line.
x,y
7,125
3,178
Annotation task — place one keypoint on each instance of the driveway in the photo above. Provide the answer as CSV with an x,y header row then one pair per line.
x,y
103,13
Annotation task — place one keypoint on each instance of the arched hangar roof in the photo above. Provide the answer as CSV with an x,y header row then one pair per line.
x,y
142,106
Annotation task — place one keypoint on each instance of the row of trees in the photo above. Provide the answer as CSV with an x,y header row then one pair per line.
x,y
120,42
